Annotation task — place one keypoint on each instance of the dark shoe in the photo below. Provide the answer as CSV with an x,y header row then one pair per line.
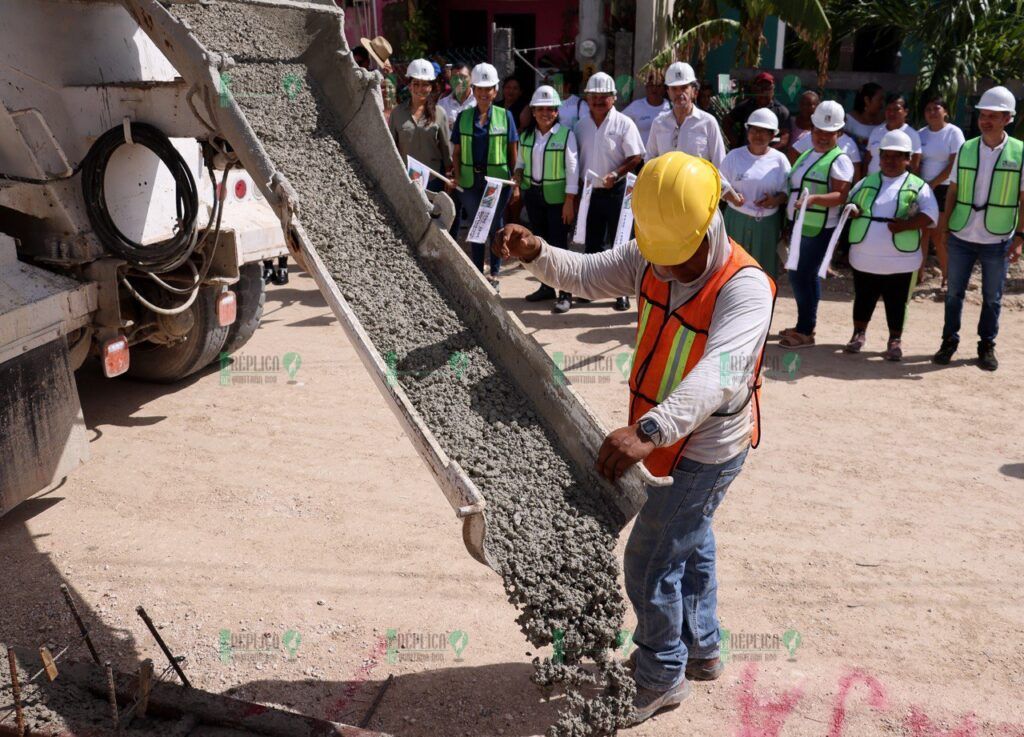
x,y
562,304
621,304
946,351
704,669
649,702
857,342
987,360
280,277
894,352
543,292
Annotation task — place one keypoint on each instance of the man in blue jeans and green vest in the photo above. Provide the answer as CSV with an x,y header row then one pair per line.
x,y
705,307
982,219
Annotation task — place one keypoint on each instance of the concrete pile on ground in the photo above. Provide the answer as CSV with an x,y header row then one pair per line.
x,y
553,537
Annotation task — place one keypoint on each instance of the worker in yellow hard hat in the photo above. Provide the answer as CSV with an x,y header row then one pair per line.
x,y
705,307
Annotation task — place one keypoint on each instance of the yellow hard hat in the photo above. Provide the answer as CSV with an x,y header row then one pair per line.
x,y
674,199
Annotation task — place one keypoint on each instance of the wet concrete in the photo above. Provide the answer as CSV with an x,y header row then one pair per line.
x,y
553,536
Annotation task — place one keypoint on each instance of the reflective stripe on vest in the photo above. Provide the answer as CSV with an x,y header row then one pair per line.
x,y
553,176
1003,191
906,242
497,145
816,181
669,345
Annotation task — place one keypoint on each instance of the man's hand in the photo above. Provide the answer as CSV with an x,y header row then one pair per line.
x,y
515,241
620,450
515,195
568,211
1013,254
610,180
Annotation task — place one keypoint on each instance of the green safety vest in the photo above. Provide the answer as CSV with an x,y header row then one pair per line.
x,y
1003,191
909,240
553,176
497,145
815,181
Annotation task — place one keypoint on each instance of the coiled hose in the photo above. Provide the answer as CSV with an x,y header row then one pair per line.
x,y
157,257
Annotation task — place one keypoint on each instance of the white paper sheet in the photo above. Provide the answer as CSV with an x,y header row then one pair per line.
x,y
580,233
823,271
486,212
625,214
794,240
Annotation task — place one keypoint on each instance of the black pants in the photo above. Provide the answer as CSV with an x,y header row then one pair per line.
x,y
603,217
894,289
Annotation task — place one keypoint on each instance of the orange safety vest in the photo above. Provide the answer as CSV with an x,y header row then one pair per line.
x,y
669,345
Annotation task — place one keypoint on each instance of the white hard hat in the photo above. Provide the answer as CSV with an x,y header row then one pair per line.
x,y
829,116
896,141
763,118
998,98
601,84
678,73
421,69
545,96
484,75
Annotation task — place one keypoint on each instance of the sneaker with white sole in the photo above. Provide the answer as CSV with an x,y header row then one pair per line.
x,y
649,702
860,337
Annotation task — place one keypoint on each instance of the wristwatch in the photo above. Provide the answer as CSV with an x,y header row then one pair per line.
x,y
650,431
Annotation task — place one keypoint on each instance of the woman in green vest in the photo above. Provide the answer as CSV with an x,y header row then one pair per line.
x,y
826,173
485,143
894,206
546,174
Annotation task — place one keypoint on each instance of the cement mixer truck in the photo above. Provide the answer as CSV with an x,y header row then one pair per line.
x,y
129,231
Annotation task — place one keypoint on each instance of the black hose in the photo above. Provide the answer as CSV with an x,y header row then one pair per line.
x,y
155,257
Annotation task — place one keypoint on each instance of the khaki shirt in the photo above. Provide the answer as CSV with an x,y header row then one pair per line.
x,y
426,141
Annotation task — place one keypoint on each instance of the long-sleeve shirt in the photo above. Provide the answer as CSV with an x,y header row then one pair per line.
x,y
720,381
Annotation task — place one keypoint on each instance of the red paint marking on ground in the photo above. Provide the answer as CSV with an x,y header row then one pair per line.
x,y
760,717
361,675
920,725
876,699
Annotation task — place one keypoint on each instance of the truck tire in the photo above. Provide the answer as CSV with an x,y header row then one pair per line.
x,y
202,345
251,293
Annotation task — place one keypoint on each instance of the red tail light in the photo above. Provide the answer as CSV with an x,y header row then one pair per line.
x,y
240,189
227,308
115,356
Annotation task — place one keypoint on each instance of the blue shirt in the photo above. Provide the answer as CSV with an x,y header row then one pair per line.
x,y
480,136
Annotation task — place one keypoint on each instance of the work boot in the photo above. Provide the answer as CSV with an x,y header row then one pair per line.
x,y
563,303
543,292
946,351
987,360
857,342
621,304
280,277
649,702
704,669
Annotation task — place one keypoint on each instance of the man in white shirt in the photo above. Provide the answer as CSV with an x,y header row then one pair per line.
x,y
461,97
982,217
685,127
646,109
692,406
610,147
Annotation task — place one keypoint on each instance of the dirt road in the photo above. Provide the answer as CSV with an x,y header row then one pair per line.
x,y
279,526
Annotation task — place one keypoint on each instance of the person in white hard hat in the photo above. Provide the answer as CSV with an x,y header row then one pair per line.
x,y
845,142
548,177
485,143
461,96
983,221
940,141
895,120
894,207
826,172
759,176
419,126
610,147
644,110
685,127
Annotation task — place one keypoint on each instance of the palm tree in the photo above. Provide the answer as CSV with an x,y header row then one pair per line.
x,y
691,34
961,41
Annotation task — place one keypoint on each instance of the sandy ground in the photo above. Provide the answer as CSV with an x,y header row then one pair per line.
x,y
880,521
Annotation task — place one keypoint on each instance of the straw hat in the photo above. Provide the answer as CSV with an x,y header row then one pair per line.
x,y
378,48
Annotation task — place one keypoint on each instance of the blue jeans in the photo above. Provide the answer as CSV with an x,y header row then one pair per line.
x,y
961,256
670,572
469,200
805,282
